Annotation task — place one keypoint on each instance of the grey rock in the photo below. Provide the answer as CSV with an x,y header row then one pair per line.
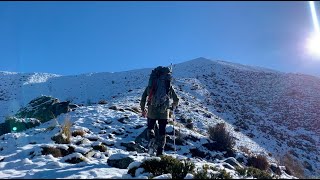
x,y
228,166
233,162
60,139
275,169
121,162
124,120
132,146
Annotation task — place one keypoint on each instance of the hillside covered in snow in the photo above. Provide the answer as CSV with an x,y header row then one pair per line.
x,y
267,112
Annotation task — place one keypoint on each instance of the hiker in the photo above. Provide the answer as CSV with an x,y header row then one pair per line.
x,y
159,92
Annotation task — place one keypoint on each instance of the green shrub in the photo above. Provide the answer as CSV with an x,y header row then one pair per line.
x,y
223,138
253,172
224,175
204,174
241,171
177,168
257,173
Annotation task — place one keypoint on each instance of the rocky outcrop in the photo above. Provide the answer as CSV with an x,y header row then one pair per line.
x,y
44,108
37,111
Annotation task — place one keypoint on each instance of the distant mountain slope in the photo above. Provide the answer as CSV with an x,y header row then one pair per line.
x,y
278,111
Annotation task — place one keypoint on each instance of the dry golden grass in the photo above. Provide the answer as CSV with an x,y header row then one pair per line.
x,y
64,137
66,128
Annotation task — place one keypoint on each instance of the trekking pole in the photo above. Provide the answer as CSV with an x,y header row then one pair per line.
x,y
174,117
174,132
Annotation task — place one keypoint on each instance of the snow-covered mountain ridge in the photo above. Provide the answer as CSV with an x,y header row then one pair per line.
x,y
267,111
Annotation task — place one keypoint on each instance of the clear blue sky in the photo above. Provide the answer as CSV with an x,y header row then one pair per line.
x,y
71,38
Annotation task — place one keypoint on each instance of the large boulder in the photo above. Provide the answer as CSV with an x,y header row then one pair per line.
x,y
44,108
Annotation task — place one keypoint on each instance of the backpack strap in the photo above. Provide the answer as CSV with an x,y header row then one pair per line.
x,y
151,92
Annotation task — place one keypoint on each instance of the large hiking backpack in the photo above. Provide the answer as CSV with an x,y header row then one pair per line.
x,y
159,85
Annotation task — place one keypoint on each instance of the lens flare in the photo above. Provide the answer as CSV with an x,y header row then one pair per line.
x,y
314,16
313,42
14,128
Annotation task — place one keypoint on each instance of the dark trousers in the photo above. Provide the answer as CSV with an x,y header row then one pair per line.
x,y
162,125
161,138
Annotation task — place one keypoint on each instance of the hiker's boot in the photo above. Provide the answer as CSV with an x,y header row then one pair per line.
x,y
151,146
152,141
159,152
161,141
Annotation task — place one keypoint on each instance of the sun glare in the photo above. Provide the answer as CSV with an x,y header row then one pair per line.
x,y
313,44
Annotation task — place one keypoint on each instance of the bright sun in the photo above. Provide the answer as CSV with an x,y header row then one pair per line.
x,y
313,44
